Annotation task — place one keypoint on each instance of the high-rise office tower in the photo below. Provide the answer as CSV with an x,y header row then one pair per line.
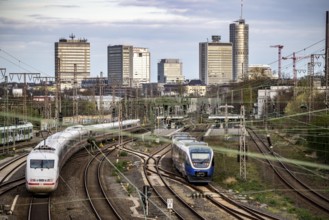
x,y
215,61
170,71
128,66
72,60
141,67
120,65
239,37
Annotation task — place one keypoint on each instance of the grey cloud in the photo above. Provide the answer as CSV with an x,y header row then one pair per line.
x,y
62,6
182,7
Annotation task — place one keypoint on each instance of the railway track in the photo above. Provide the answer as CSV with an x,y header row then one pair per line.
x,y
7,170
152,167
101,204
162,190
11,185
10,167
213,195
296,185
182,209
39,208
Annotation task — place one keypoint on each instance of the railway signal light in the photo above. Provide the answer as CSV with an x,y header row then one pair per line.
x,y
147,191
60,116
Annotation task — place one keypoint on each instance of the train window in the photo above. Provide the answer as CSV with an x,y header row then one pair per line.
x,y
42,164
200,156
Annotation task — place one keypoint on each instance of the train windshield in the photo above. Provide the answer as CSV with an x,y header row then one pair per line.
x,y
200,159
200,156
42,164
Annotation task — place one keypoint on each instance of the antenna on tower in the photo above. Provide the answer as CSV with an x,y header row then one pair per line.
x,y
241,9
72,36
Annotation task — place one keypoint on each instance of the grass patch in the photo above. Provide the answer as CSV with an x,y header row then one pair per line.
x,y
306,215
129,188
123,154
121,166
258,185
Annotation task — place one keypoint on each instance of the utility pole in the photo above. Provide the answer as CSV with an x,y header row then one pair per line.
x,y
311,82
47,108
3,73
242,146
58,100
327,58
279,58
75,95
226,107
113,98
294,60
310,75
137,107
265,110
101,86
19,76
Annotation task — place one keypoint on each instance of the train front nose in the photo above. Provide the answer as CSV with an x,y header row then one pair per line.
x,y
41,181
41,186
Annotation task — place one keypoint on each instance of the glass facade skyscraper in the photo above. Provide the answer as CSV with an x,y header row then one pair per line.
x,y
239,37
120,65
128,66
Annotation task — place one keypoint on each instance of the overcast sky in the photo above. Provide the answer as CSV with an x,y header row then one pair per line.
x,y
168,28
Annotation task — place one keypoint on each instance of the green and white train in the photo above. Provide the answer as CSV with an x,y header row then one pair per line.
x,y
16,133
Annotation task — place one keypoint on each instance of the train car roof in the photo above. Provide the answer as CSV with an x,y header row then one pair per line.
x,y
21,125
110,125
42,154
55,141
200,147
180,134
190,143
75,127
184,138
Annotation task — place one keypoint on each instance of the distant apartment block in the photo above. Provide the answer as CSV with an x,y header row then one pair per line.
x,y
239,37
72,60
128,66
215,61
195,88
257,71
170,71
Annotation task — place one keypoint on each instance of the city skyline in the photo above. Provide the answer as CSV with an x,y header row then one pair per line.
x,y
169,29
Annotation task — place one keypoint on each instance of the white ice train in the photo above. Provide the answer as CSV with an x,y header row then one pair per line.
x,y
46,160
192,158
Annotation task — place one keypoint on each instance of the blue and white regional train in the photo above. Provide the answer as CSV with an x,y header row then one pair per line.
x,y
46,160
193,159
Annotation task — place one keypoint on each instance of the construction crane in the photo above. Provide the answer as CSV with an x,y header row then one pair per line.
x,y
279,58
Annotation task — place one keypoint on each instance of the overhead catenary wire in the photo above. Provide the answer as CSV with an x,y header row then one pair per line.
x,y
18,62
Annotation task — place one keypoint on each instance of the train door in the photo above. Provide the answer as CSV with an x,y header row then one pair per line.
x,y
20,135
2,137
10,136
